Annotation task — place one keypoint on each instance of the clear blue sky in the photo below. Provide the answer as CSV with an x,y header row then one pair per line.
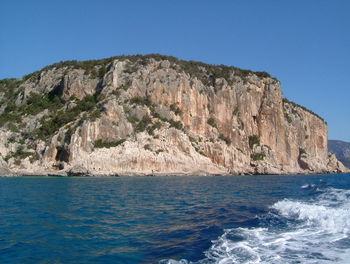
x,y
304,43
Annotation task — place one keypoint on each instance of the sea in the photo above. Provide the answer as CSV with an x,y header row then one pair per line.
x,y
175,220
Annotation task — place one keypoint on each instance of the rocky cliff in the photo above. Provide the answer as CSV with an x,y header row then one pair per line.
x,y
341,150
156,114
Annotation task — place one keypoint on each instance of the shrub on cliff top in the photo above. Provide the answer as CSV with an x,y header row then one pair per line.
x,y
285,100
9,85
207,73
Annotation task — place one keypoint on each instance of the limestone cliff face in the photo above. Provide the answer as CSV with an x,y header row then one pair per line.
x,y
156,114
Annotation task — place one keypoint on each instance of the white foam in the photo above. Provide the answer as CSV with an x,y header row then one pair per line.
x,y
317,231
171,261
308,186
316,216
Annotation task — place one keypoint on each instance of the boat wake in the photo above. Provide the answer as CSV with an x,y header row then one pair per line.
x,y
294,231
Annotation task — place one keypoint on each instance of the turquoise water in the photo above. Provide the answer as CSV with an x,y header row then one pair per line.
x,y
238,219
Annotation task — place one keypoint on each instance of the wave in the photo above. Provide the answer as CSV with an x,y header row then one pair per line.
x,y
295,231
308,186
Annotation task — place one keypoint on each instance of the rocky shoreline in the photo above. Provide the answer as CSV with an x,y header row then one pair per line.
x,y
131,174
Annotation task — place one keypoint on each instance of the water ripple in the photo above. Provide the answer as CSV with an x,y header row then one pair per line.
x,y
150,219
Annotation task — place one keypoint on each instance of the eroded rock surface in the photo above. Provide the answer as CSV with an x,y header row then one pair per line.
x,y
156,115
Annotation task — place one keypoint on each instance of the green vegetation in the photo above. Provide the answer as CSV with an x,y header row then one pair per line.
x,y
12,127
116,93
175,109
97,72
302,151
37,103
159,151
34,104
9,84
175,124
258,156
110,144
207,73
202,153
253,140
138,100
132,119
192,139
10,89
211,122
172,123
88,103
226,139
60,118
143,124
18,155
288,118
151,128
304,108
10,115
198,149
95,68
147,147
12,139
95,114
54,123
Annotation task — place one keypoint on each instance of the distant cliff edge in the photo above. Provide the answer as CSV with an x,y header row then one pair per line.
x,y
155,114
341,149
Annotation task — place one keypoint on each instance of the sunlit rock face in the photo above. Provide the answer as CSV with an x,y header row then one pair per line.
x,y
156,114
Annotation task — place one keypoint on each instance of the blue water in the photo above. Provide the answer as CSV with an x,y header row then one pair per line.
x,y
238,219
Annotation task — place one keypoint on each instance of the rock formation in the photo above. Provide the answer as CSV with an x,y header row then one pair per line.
x,y
156,114
341,150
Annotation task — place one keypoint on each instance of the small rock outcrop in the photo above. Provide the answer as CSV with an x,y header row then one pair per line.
x,y
341,149
4,171
154,114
